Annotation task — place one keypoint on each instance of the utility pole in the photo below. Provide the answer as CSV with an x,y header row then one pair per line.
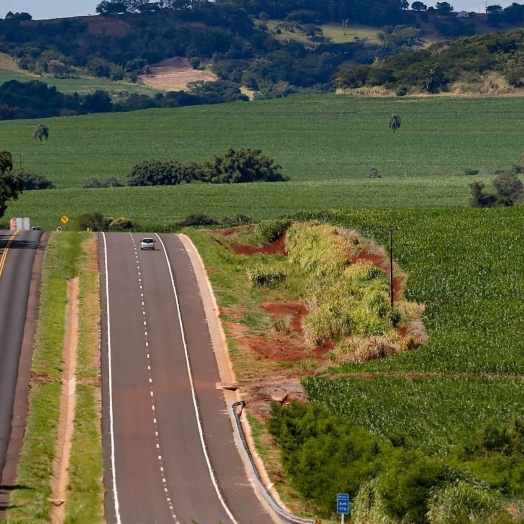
x,y
20,156
391,229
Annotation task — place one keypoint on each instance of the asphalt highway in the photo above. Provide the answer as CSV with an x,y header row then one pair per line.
x,y
169,450
17,254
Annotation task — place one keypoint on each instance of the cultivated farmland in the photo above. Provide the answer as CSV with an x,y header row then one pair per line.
x,y
327,145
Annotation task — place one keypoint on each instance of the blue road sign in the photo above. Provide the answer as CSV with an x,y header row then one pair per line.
x,y
343,504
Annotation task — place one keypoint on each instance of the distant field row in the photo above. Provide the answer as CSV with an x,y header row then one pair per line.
x,y
165,205
81,86
314,138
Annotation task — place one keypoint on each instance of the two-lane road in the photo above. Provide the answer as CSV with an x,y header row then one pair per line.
x,y
170,454
17,254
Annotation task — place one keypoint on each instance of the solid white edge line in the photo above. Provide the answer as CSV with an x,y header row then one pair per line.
x,y
193,392
110,370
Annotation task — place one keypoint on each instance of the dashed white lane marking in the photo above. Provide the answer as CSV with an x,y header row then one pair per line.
x,y
155,425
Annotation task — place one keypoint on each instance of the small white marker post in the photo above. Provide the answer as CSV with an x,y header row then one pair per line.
x,y
343,505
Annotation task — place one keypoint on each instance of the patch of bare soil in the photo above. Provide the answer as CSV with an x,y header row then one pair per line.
x,y
174,74
60,476
276,247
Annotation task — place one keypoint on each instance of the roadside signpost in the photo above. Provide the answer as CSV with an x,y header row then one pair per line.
x,y
64,219
343,505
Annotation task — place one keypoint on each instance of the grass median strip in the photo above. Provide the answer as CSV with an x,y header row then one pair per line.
x,y
68,255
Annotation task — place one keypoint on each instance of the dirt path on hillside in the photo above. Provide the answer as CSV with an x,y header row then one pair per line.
x,y
174,74
60,477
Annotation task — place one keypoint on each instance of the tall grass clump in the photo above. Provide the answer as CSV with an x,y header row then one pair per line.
x,y
268,231
345,296
262,276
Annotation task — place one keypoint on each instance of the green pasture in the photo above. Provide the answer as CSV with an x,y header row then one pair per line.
x,y
314,138
81,86
167,204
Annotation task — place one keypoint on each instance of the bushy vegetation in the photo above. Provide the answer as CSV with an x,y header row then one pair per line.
x,y
234,167
98,222
509,191
436,68
268,231
347,301
94,183
33,181
325,454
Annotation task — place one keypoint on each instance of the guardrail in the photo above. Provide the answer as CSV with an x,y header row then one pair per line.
x,y
287,518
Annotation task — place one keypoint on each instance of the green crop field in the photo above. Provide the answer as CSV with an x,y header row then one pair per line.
x,y
312,137
327,144
165,205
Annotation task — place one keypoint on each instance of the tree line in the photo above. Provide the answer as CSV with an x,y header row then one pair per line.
x,y
36,99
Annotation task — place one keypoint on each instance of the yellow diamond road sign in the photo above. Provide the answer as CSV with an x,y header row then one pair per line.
x,y
64,219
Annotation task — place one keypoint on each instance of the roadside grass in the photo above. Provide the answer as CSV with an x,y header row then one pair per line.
x,y
162,205
316,138
63,261
85,488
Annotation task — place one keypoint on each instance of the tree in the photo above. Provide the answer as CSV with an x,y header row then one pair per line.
x,y
10,185
494,9
394,123
419,6
108,8
444,8
509,187
42,131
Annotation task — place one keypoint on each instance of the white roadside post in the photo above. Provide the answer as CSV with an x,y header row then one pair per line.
x,y
343,505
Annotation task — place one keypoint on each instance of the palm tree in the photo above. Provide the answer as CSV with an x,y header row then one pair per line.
x,y
394,123
42,131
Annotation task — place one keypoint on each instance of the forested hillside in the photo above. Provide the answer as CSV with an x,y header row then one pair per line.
x,y
442,66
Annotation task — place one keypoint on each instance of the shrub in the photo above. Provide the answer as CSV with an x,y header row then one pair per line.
x,y
94,221
261,276
93,183
197,219
282,324
241,166
34,182
156,172
268,231
373,173
121,224
237,220
113,181
470,172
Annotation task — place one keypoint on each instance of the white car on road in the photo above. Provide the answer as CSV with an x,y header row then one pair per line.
x,y
147,243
